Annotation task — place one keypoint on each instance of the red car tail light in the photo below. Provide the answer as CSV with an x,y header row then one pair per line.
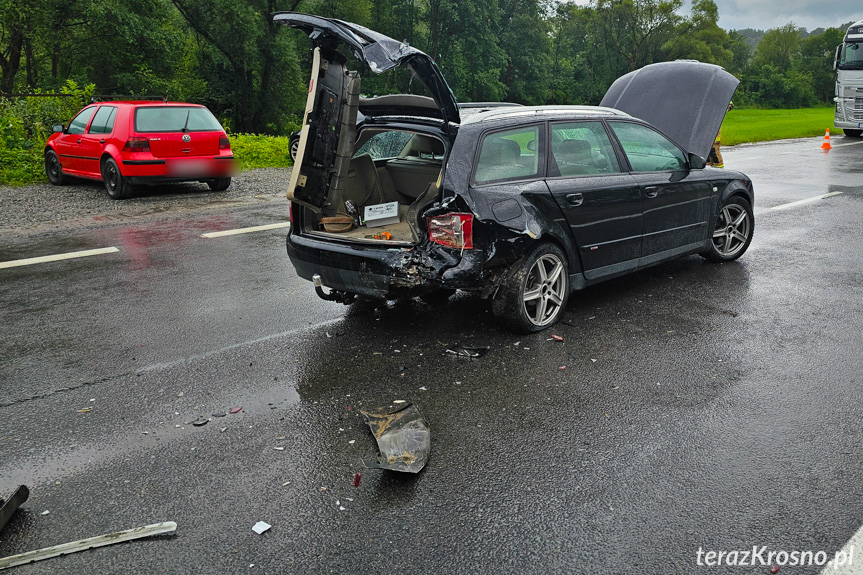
x,y
137,145
224,142
452,230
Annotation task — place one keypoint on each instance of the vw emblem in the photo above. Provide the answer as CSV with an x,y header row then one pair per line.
x,y
187,138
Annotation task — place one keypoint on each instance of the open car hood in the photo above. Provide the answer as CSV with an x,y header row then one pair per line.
x,y
685,99
379,52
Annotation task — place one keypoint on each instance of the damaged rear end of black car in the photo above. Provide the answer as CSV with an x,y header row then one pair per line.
x,y
393,160
395,196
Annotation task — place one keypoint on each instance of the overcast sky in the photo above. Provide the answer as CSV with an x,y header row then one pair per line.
x,y
767,14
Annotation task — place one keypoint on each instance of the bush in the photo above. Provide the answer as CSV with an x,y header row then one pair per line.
x,y
25,124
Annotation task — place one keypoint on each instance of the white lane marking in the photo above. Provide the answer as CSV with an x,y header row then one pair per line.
x,y
848,564
806,201
57,257
245,230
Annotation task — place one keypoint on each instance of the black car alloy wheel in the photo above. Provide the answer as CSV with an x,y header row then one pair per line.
x,y
733,231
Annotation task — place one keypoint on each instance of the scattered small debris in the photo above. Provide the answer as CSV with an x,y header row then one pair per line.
x,y
201,421
279,448
222,430
462,351
774,569
235,410
561,368
180,394
220,414
357,477
85,410
398,401
260,527
286,483
593,360
556,337
423,388
46,512
342,508
352,441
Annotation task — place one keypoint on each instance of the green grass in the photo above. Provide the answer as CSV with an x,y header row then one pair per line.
x,y
255,151
742,126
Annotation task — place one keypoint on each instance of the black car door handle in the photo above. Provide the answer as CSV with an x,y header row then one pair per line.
x,y
574,199
78,141
101,141
651,191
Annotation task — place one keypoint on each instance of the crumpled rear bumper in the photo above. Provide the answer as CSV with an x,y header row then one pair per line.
x,y
384,272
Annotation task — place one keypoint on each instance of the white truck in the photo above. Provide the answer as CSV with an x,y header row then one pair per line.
x,y
848,64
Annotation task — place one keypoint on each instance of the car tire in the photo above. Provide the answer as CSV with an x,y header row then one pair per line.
x,y
294,146
53,169
116,185
733,231
853,133
219,184
534,294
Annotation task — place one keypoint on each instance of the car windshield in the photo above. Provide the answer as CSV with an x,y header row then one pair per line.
x,y
851,56
175,119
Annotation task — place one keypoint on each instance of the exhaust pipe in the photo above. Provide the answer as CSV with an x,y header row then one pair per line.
x,y
333,295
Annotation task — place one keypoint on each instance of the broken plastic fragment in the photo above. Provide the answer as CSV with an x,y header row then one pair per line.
x,y
260,527
556,337
774,569
201,421
85,410
357,477
403,438
235,410
462,351
220,414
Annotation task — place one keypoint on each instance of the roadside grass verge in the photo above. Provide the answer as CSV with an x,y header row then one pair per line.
x,y
257,151
744,126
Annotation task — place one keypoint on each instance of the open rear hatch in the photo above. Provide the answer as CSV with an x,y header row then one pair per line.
x,y
325,173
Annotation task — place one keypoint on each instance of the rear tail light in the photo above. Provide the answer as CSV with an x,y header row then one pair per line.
x,y
224,142
452,230
137,145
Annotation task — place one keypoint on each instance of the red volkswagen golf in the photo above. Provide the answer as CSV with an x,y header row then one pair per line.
x,y
125,143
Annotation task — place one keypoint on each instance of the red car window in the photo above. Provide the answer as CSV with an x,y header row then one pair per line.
x,y
79,122
175,119
103,121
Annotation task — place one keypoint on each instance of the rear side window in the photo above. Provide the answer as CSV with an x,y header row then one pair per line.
x,y
79,122
103,121
647,150
509,155
384,144
581,149
175,119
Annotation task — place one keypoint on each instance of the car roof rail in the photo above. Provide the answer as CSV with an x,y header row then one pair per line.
x,y
123,97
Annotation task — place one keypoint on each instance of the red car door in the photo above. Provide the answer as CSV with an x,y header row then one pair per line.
x,y
68,145
94,139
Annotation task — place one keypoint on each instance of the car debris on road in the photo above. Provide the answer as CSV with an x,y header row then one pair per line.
x,y
403,438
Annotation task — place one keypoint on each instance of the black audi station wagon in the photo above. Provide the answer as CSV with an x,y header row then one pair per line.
x,y
522,205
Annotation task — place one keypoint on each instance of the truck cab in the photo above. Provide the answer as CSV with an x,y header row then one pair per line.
x,y
848,64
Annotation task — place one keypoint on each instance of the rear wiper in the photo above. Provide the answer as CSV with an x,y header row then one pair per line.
x,y
186,125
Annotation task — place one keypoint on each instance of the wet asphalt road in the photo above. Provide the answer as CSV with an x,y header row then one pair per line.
x,y
701,405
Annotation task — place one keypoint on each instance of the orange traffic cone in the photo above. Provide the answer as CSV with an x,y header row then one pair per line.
x,y
826,145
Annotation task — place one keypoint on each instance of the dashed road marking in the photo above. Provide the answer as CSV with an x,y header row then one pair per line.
x,y
245,230
57,257
806,201
844,562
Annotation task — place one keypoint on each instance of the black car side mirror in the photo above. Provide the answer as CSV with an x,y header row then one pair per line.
x,y
58,129
696,162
